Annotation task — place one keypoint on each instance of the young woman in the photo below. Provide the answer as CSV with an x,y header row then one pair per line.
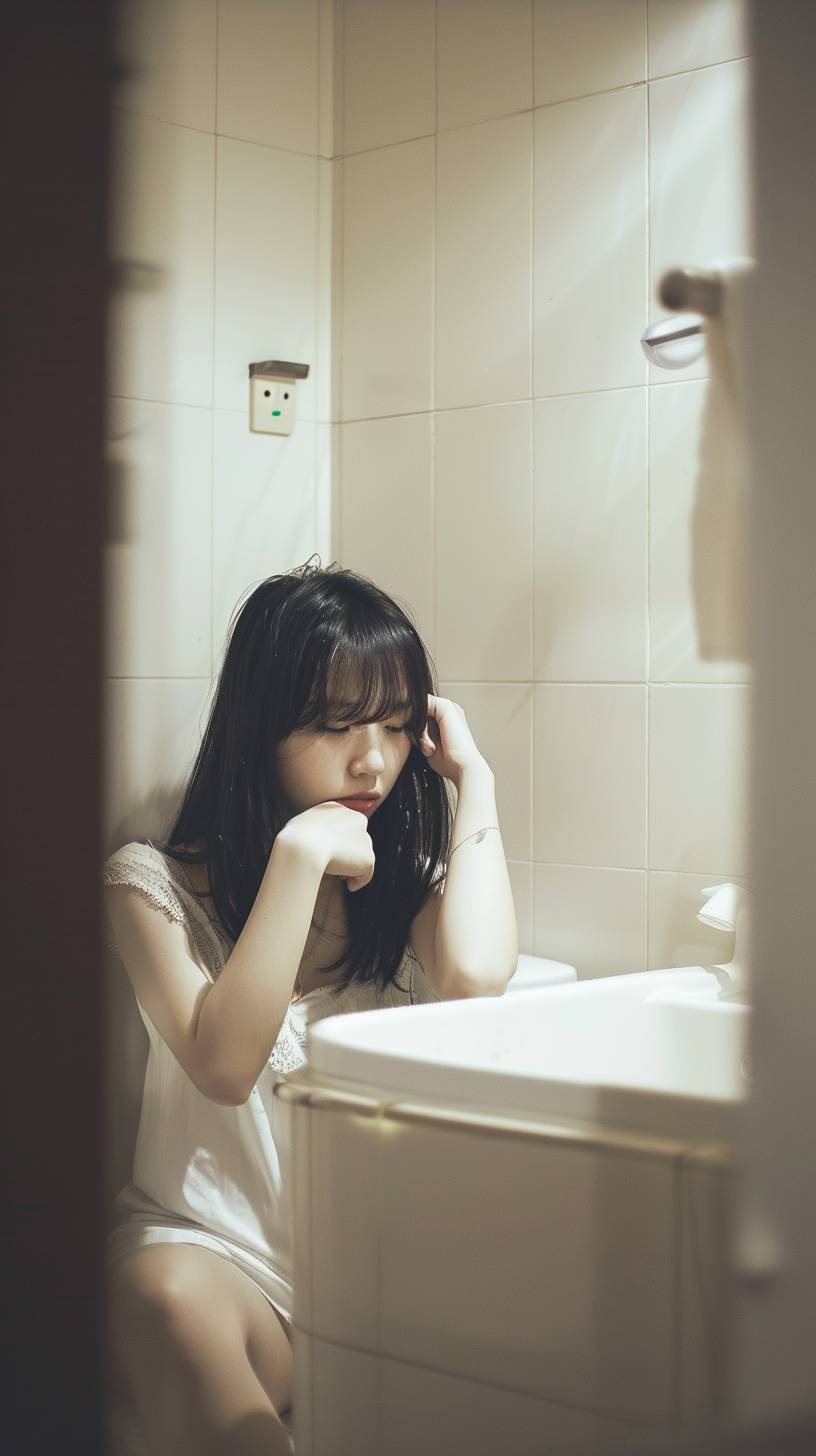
x,y
302,876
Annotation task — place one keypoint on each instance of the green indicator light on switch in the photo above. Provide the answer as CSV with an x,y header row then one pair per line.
x,y
276,412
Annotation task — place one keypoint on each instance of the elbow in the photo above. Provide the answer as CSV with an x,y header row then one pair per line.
x,y
226,1093
238,1097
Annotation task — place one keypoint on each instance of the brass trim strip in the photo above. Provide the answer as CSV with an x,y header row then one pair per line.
x,y
711,1156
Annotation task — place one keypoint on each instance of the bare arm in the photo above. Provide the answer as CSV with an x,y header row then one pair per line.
x,y
244,1010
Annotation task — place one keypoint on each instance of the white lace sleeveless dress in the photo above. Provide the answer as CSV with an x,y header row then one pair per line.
x,y
209,1174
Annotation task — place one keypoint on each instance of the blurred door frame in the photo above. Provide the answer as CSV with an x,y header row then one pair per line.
x,y
54,141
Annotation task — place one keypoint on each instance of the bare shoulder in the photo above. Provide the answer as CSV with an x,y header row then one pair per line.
x,y
169,983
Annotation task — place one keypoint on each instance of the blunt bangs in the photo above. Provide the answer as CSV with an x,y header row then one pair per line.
x,y
367,671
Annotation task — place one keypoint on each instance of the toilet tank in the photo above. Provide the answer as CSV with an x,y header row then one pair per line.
x,y
533,971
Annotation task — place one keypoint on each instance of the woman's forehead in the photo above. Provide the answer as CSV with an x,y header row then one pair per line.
x,y
345,688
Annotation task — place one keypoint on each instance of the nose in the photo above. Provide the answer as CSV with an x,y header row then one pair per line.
x,y
368,756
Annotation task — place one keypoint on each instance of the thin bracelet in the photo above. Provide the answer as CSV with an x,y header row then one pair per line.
x,y
478,835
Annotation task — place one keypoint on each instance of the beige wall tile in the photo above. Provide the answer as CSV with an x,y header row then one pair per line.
x,y
266,268
696,33
593,919
160,336
389,72
483,263
593,46
153,730
589,775
387,516
483,490
268,58
326,291
698,761
590,238
158,578
590,538
483,59
387,281
263,511
326,473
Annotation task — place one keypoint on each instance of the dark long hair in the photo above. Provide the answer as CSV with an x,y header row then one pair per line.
x,y
275,678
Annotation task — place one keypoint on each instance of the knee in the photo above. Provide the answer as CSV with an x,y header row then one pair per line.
x,y
158,1307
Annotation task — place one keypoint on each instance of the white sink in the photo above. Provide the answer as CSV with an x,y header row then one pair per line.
x,y
657,1052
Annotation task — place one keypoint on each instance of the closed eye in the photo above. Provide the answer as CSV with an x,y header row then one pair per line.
x,y
404,727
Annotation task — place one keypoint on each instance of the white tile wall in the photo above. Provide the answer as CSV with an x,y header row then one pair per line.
x,y
589,799
157,569
154,726
483,282
583,49
483,507
698,771
219,188
483,60
266,265
160,343
591,544
590,243
590,918
389,72
387,281
544,222
268,75
387,510
696,33
263,510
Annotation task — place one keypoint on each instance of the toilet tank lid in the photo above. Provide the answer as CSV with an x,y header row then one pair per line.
x,y
533,971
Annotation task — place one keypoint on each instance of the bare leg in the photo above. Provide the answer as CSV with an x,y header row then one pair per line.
x,y
214,1405
202,1354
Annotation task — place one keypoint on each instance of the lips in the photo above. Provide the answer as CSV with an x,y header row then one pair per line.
x,y
362,804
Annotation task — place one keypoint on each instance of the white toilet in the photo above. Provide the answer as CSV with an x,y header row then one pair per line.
x,y
533,971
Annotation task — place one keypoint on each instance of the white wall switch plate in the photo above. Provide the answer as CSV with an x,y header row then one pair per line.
x,y
271,405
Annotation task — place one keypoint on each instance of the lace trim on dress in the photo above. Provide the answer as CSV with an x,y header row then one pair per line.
x,y
153,883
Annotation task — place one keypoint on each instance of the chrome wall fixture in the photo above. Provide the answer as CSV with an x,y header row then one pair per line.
x,y
692,295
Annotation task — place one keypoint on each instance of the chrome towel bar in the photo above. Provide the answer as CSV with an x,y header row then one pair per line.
x,y
711,1156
